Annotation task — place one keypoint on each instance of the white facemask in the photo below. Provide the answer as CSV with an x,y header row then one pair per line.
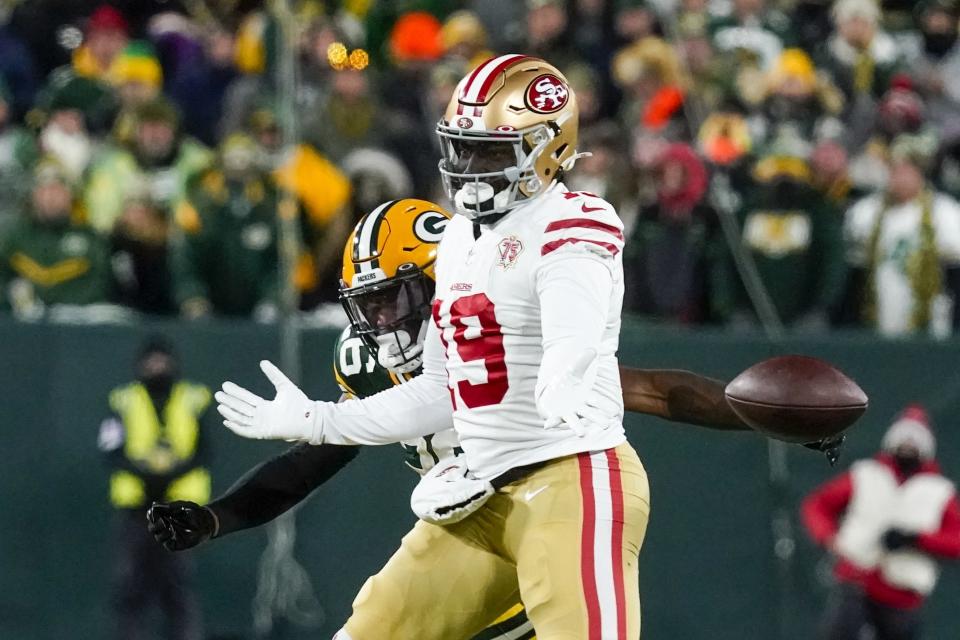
x,y
398,353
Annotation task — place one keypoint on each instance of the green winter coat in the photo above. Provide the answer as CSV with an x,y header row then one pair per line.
x,y
60,264
225,248
796,242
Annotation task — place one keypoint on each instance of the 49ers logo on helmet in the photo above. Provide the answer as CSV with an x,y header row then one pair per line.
x,y
546,94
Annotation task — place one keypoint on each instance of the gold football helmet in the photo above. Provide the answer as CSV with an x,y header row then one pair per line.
x,y
388,281
509,132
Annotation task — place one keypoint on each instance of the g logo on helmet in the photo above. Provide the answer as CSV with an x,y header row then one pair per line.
x,y
547,94
429,226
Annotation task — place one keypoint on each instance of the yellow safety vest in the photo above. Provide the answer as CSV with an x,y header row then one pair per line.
x,y
158,445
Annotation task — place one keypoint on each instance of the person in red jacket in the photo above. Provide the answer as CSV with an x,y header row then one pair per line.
x,y
887,521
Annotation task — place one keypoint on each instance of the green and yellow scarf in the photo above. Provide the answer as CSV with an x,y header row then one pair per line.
x,y
923,267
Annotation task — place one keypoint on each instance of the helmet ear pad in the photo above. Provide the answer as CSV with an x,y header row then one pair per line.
x,y
548,164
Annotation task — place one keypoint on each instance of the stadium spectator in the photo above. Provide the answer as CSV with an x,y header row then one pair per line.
x,y
351,115
136,74
155,443
137,79
199,85
831,173
464,39
139,253
323,189
903,245
900,111
181,43
633,20
158,156
224,254
654,85
107,34
712,76
666,257
793,236
861,57
76,111
751,31
936,68
592,32
17,67
18,153
46,257
887,521
791,95
548,32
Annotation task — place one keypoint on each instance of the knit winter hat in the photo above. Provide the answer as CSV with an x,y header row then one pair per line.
x,y
794,64
137,63
911,427
416,37
107,18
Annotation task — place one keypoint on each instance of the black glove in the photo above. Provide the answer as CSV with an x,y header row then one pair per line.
x,y
830,447
894,539
181,525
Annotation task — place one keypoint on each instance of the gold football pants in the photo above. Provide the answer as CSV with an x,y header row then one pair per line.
x,y
565,540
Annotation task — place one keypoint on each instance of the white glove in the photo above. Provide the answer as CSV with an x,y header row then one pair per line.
x,y
563,400
448,493
291,415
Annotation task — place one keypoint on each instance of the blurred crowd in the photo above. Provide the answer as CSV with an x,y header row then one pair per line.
x,y
776,163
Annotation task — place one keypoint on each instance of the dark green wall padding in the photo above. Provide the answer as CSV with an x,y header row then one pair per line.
x,y
709,568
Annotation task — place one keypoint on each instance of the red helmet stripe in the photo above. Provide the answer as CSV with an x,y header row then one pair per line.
x,y
480,81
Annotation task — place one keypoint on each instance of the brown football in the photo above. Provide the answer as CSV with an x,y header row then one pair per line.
x,y
796,398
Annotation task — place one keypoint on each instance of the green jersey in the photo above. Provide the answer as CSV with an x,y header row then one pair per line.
x,y
360,375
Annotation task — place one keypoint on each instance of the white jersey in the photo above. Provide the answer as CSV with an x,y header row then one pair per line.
x,y
516,304
488,310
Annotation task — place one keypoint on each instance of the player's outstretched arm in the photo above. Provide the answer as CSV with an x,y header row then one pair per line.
x,y
683,396
679,396
417,408
262,494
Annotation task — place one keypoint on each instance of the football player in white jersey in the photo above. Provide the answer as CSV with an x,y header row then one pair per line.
x,y
522,357
549,503
381,348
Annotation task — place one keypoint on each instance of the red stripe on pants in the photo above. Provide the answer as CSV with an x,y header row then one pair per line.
x,y
587,571
616,493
